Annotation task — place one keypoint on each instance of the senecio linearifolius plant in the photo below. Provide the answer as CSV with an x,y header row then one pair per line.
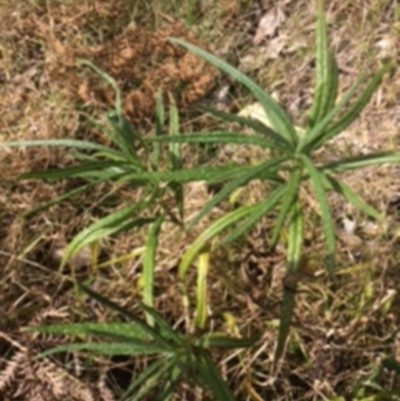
x,y
289,167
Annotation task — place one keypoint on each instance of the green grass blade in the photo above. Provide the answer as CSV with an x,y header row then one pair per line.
x,y
315,136
125,137
209,174
279,142
122,311
201,289
290,197
233,185
175,155
85,170
132,330
114,223
357,162
149,266
57,143
317,184
158,368
326,71
295,244
175,377
218,137
153,381
279,119
211,378
159,130
108,348
287,309
214,340
262,209
209,233
165,328
355,110
342,189
109,80
59,199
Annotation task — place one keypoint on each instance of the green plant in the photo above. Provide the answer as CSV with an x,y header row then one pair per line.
x,y
291,167
173,357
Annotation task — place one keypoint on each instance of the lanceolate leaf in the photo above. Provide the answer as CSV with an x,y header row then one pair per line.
x,y
154,334
209,233
218,137
355,110
279,142
280,121
319,191
58,143
112,224
131,330
109,348
315,136
201,289
158,368
85,170
149,265
356,162
262,210
235,184
351,196
289,199
326,71
211,378
295,243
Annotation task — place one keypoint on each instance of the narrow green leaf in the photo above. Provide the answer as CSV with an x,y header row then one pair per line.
x,y
114,223
280,121
167,331
209,174
218,137
287,309
126,138
109,80
175,377
153,379
317,183
279,142
263,209
201,289
92,170
295,244
215,340
326,71
112,305
58,143
132,330
210,232
295,241
159,367
59,199
289,199
212,379
355,110
109,348
233,185
357,162
159,130
149,265
175,155
315,137
344,190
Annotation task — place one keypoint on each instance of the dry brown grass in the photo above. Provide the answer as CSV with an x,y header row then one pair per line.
x,y
343,327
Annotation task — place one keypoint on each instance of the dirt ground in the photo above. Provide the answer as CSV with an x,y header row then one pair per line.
x,y
345,329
